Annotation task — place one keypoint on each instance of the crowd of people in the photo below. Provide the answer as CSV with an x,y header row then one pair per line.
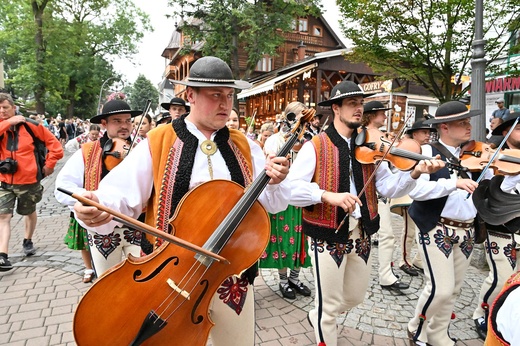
x,y
325,202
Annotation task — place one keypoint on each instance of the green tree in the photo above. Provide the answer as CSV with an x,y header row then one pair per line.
x,y
426,41
141,91
62,51
225,25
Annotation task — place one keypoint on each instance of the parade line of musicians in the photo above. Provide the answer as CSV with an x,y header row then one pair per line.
x,y
329,201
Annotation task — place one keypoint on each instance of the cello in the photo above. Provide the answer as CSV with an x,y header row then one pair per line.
x,y
164,298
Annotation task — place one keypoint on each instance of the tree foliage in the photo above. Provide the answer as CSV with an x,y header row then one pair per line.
x,y
226,25
427,41
141,91
60,52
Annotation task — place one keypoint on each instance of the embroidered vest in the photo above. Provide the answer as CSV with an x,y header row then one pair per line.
x,y
92,153
332,173
494,337
173,148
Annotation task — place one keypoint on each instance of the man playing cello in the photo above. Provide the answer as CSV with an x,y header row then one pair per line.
x,y
173,160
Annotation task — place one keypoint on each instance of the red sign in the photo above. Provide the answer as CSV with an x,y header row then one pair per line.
x,y
503,84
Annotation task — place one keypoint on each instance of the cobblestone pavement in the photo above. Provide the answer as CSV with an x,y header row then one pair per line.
x,y
38,297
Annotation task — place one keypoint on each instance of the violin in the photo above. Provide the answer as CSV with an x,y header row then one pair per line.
x,y
114,151
164,298
372,144
476,155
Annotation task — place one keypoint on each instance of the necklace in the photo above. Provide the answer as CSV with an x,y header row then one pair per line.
x,y
209,148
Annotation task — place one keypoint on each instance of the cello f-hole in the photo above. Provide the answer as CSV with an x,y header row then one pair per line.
x,y
138,273
199,318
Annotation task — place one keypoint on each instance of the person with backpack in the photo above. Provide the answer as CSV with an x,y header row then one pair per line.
x,y
23,143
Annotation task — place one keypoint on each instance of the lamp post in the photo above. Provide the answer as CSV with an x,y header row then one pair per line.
x,y
478,66
101,91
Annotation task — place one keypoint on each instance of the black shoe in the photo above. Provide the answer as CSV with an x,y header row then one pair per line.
x,y
28,247
287,292
300,288
419,269
481,327
409,270
396,287
5,265
413,342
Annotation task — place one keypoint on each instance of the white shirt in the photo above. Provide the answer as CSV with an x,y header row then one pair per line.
x,y
508,318
305,192
457,207
127,188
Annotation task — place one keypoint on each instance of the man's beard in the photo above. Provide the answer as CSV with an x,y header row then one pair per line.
x,y
513,144
352,124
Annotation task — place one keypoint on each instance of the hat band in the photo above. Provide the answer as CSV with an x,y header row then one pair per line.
x,y
210,80
452,115
352,93
119,110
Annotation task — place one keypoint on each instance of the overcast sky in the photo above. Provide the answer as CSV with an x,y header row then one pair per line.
x,y
149,61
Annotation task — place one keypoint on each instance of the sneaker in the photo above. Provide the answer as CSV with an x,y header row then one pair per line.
x,y
5,265
481,327
28,247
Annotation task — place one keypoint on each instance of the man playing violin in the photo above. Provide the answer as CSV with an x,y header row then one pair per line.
x,y
176,158
500,244
326,178
444,217
374,118
84,171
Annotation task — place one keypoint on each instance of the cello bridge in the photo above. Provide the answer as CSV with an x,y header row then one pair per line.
x,y
176,288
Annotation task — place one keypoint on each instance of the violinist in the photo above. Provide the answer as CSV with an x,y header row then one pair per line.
x,y
421,133
313,127
374,118
444,217
176,158
325,178
500,243
83,172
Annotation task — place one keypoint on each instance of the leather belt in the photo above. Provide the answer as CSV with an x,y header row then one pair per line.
x,y
456,223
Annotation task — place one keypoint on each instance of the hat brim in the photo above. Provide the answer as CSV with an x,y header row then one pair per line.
x,y
440,120
333,100
503,127
410,131
97,119
377,109
237,84
166,105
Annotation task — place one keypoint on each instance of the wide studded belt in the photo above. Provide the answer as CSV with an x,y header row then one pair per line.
x,y
456,223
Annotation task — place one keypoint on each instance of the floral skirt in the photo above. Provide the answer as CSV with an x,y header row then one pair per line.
x,y
76,237
287,245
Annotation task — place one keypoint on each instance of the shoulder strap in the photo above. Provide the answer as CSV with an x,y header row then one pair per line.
x,y
448,154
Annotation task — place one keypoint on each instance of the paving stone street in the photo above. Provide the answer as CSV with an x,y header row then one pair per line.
x,y
38,297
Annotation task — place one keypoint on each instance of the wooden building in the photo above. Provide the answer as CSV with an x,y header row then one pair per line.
x,y
306,68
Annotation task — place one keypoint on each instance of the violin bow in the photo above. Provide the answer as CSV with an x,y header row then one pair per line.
x,y
322,126
252,121
141,226
373,174
497,151
146,110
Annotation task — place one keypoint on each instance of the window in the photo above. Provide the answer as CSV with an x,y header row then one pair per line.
x,y
317,31
265,64
302,25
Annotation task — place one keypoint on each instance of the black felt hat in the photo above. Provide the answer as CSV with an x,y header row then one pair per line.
x,y
210,71
112,108
495,206
374,106
342,91
420,125
508,121
177,101
163,117
451,111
